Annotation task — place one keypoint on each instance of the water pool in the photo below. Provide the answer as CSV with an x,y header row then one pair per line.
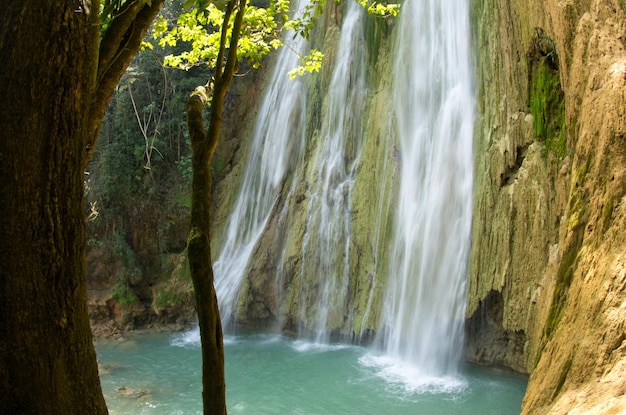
x,y
269,374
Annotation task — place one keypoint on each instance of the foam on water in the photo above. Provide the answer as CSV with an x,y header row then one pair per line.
x,y
304,346
191,339
409,379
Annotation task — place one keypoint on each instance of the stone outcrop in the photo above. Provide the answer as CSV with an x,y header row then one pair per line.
x,y
547,287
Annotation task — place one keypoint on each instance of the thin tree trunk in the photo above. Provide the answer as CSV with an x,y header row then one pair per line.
x,y
199,253
198,244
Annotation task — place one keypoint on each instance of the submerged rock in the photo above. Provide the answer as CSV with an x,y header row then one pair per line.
x,y
125,392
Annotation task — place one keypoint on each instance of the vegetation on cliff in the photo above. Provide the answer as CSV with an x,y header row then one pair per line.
x,y
137,197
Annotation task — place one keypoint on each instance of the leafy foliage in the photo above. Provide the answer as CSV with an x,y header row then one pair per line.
x,y
310,63
380,9
140,172
264,29
199,27
304,20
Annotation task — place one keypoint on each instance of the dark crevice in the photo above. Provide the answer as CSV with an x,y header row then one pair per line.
x,y
510,172
487,342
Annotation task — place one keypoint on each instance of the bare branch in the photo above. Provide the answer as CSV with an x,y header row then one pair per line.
x,y
223,82
219,68
118,46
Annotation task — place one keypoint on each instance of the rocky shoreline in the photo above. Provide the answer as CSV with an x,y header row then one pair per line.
x,y
110,320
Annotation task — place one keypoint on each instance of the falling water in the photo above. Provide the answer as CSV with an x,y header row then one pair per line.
x,y
433,113
277,144
326,244
432,119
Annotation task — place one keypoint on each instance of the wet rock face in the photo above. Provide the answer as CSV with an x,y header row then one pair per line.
x,y
549,233
283,282
487,342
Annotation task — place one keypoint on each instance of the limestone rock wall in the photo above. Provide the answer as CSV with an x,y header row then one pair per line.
x,y
547,286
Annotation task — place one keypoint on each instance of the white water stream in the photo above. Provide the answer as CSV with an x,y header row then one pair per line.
x,y
433,115
326,247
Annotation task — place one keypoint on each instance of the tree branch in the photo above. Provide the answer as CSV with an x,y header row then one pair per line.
x,y
223,82
195,106
115,35
219,69
231,62
118,46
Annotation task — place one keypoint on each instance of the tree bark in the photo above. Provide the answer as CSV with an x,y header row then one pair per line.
x,y
52,93
198,244
199,253
47,359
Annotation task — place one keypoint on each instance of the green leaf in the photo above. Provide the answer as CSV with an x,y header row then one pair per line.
x,y
308,64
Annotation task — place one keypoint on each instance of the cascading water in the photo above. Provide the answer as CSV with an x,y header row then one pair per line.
x,y
278,143
433,117
326,245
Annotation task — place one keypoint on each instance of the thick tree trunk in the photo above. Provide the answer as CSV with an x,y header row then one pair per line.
x,y
53,91
47,359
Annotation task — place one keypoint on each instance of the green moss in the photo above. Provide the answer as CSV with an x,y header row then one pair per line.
x,y
123,294
577,214
582,172
578,203
562,377
376,30
167,297
217,163
564,277
547,105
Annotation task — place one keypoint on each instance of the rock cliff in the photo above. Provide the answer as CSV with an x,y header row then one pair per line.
x,y
547,284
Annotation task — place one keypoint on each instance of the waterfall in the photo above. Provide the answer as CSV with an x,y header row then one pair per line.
x,y
326,245
277,145
433,118
429,142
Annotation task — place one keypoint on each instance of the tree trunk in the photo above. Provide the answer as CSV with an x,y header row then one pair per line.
x,y
198,244
47,359
54,87
199,253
